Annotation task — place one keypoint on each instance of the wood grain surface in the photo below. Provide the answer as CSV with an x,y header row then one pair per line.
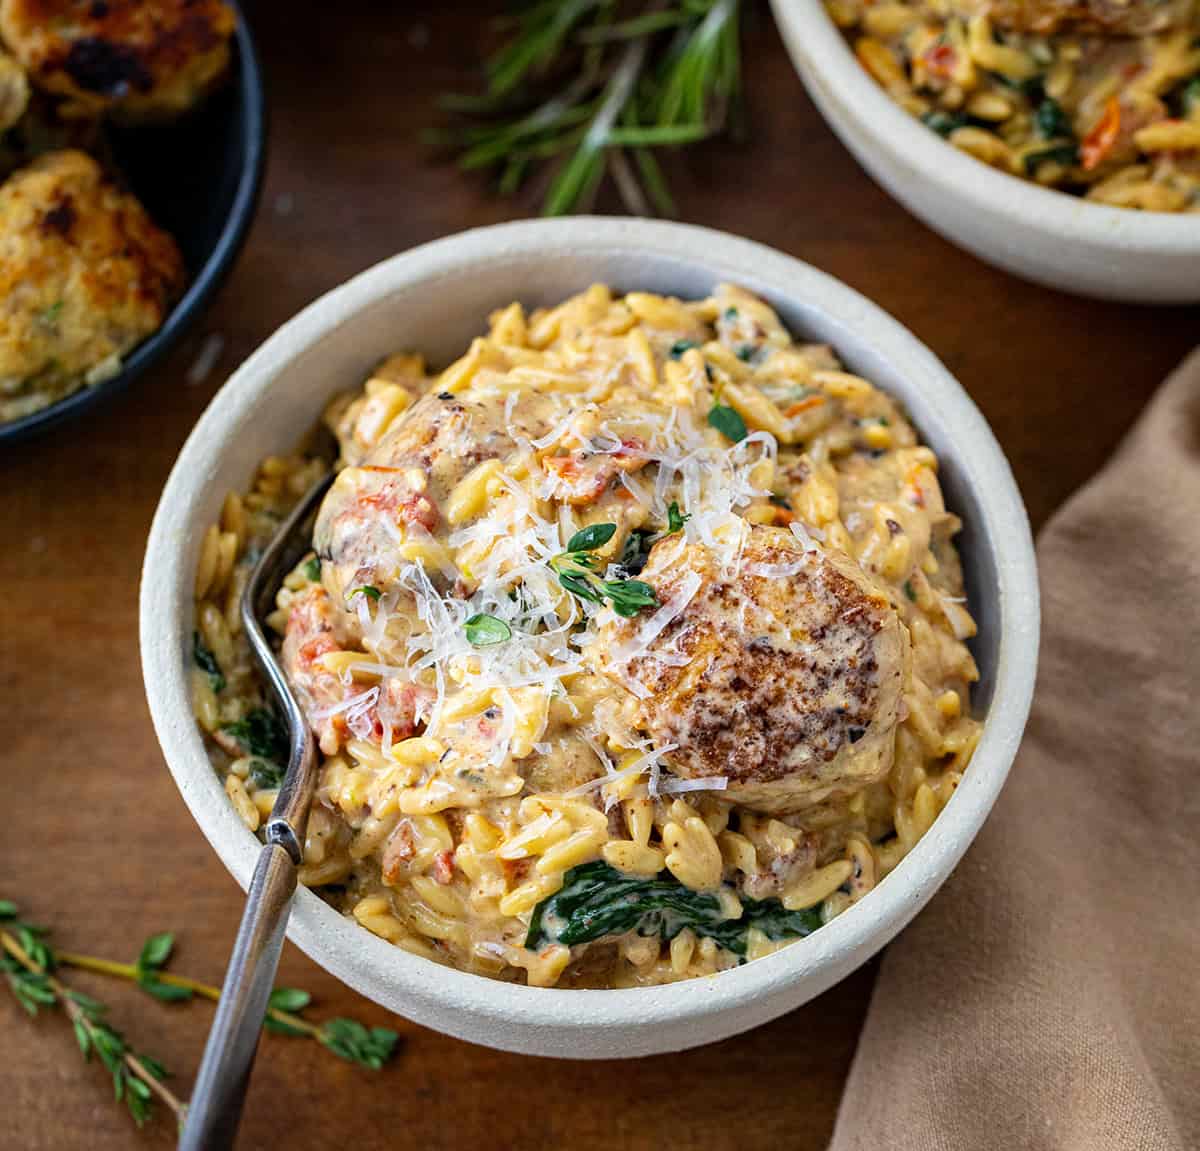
x,y
97,843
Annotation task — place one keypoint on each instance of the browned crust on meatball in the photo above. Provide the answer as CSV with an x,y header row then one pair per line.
x,y
743,720
764,677
144,56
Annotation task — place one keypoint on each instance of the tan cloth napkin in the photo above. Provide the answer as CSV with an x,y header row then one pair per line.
x,y
1049,996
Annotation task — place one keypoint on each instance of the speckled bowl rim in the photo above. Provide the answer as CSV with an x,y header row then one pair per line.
x,y
910,145
601,1022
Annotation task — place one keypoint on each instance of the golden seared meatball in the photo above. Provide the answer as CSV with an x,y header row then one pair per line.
x,y
143,57
84,277
14,92
1115,17
781,670
398,490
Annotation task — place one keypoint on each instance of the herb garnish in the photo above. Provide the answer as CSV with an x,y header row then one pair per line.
x,y
485,630
575,569
1190,97
1050,121
681,346
909,591
943,123
1032,88
346,1038
150,962
30,966
266,774
597,901
636,551
312,569
599,96
728,422
675,519
350,1040
1065,154
207,662
260,732
48,317
592,537
369,590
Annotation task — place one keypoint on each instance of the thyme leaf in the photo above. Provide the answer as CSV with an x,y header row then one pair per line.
x,y
485,630
728,422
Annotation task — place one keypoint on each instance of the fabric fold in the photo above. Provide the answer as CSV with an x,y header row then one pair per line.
x,y
1049,997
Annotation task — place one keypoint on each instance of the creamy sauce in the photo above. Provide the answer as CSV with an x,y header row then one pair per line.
x,y
638,596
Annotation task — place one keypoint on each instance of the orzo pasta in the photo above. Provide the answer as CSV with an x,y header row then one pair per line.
x,y
1100,98
633,642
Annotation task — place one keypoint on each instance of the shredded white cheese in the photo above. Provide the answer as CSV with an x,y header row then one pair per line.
x,y
676,786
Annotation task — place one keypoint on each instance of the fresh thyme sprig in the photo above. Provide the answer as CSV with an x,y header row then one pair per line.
x,y
346,1038
28,963
597,86
575,569
675,519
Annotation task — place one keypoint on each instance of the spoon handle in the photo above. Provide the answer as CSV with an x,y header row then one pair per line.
x,y
216,1106
220,1090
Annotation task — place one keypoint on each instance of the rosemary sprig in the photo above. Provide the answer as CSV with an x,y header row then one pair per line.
x,y
347,1038
28,963
574,84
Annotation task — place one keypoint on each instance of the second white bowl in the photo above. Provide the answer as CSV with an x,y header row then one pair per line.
x,y
1047,236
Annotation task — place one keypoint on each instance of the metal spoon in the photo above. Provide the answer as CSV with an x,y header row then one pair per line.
x,y
216,1104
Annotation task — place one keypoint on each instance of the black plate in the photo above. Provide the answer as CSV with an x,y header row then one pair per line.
x,y
198,178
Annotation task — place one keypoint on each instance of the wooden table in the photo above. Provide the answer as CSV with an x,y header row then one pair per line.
x,y
97,842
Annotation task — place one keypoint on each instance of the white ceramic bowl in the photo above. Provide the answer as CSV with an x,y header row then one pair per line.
x,y
435,298
1046,236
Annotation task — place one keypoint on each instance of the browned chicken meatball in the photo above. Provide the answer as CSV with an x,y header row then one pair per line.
x,y
397,492
1115,17
84,276
143,57
389,709
783,673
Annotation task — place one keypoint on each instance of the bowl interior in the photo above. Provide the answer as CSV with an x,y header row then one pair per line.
x,y
198,177
434,300
416,318
1049,236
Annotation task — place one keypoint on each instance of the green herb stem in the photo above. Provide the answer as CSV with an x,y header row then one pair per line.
x,y
130,972
573,82
577,180
28,962
85,1024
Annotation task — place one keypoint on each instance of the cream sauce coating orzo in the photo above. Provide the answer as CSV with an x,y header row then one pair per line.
x,y
1099,98
633,642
